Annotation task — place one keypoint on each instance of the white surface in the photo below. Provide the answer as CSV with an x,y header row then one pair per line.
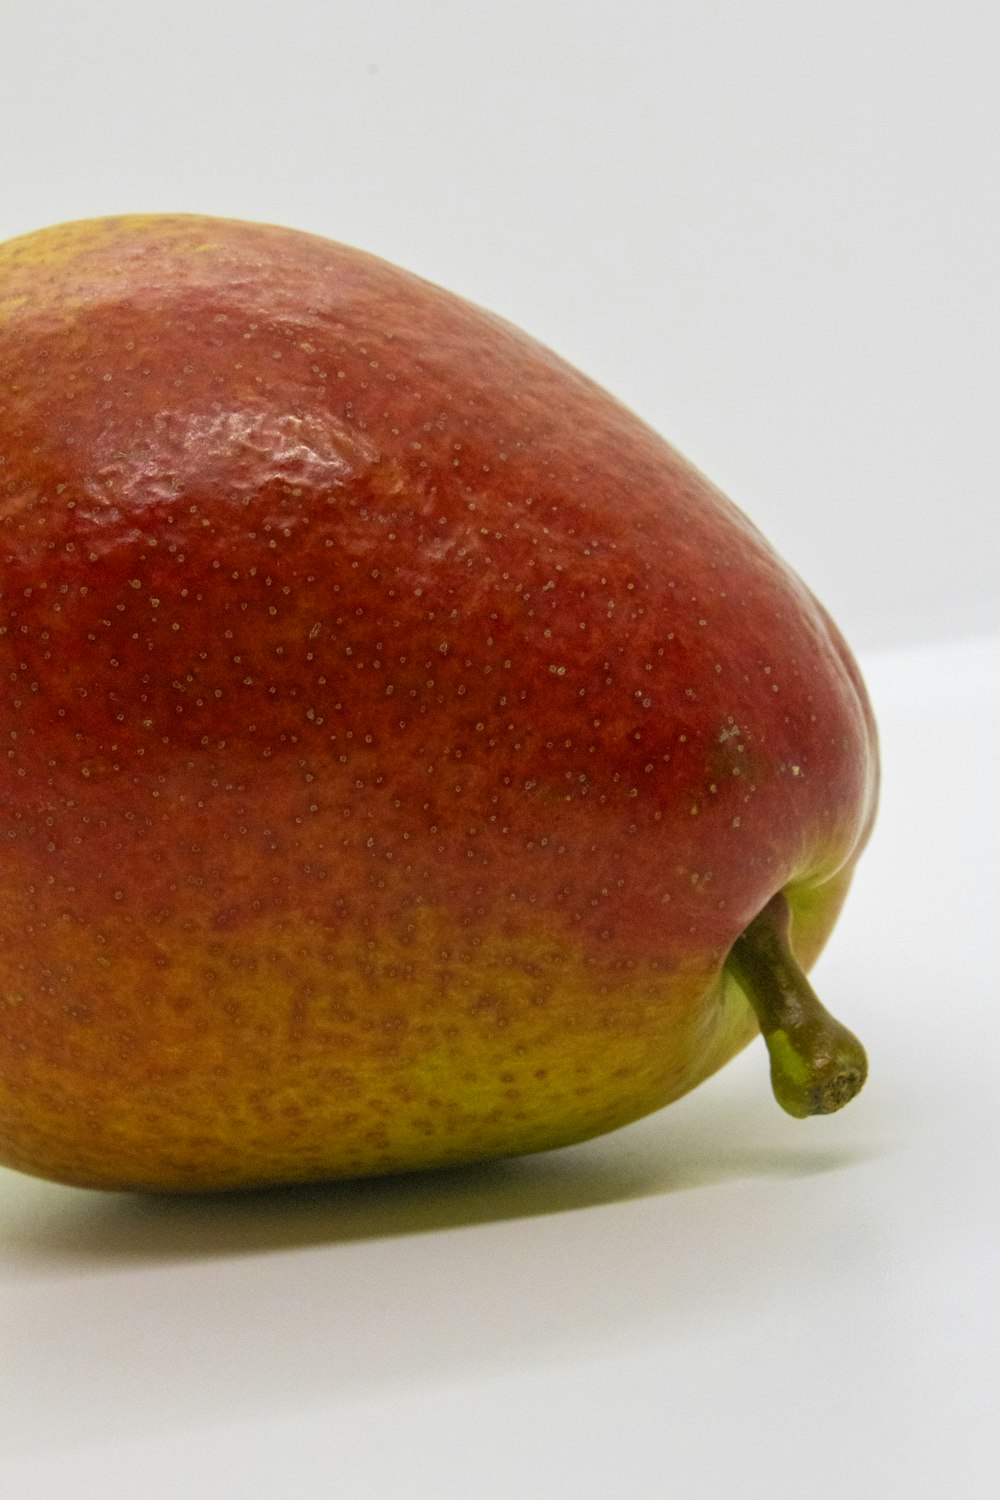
x,y
771,228
716,1302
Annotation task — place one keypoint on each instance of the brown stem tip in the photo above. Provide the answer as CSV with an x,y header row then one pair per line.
x,y
817,1065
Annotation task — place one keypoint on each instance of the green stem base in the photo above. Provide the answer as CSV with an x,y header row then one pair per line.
x,y
817,1065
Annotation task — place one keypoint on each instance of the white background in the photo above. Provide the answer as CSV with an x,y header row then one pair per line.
x,y
773,229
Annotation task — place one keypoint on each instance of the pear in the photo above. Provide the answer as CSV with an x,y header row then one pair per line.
x,y
408,757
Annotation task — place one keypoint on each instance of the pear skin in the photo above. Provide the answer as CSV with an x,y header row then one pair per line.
x,y
408,757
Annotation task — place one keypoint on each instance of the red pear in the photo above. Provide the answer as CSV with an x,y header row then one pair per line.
x,y
408,758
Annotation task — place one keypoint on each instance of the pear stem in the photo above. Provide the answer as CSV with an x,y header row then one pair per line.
x,y
817,1065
